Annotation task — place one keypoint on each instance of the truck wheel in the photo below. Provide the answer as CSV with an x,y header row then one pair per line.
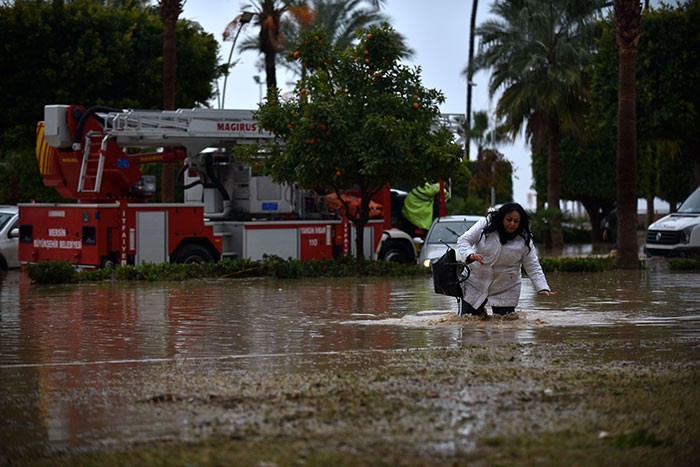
x,y
107,263
397,251
192,253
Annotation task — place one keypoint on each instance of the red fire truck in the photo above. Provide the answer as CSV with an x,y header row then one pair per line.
x,y
93,156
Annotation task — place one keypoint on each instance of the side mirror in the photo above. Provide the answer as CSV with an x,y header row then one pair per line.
x,y
14,233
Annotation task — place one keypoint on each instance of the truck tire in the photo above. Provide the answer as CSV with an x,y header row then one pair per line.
x,y
191,253
397,251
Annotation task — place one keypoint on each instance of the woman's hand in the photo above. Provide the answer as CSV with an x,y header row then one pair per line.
x,y
546,293
476,257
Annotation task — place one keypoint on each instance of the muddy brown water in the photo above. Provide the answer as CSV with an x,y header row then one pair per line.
x,y
70,355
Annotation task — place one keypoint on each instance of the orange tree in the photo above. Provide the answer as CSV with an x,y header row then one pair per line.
x,y
358,119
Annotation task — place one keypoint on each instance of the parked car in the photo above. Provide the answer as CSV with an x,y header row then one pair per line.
x,y
445,230
677,234
9,234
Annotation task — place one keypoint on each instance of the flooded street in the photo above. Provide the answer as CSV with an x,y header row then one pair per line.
x,y
74,359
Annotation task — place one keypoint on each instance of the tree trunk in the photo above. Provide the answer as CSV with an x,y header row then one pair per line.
x,y
554,237
13,196
650,210
694,156
170,11
627,17
362,219
270,70
597,210
270,40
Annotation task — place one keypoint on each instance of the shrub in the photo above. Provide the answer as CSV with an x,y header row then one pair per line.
x,y
56,272
269,266
273,266
575,264
691,263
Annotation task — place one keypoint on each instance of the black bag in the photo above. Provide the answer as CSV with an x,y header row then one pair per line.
x,y
446,274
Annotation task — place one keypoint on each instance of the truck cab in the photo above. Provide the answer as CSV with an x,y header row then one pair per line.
x,y
677,234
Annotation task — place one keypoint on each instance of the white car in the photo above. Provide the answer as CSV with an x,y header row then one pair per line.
x,y
444,231
677,234
9,234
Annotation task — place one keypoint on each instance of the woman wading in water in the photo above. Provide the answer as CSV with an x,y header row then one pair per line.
x,y
497,247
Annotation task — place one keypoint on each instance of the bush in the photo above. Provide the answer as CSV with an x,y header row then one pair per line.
x,y
691,263
274,266
269,266
573,264
57,272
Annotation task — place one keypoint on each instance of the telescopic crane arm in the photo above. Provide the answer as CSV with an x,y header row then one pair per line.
x,y
94,154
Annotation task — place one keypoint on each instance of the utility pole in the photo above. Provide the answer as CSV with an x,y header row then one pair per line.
x,y
470,76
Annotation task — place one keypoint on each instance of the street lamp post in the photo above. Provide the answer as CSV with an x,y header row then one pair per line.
x,y
242,19
470,76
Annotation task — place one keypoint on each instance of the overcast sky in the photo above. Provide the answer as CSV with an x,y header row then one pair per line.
x,y
437,31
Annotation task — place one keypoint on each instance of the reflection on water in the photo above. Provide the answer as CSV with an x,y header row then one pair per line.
x,y
65,351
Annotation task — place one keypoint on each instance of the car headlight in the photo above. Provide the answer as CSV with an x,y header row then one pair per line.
x,y
426,263
685,234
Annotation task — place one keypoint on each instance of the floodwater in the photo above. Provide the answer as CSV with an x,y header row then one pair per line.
x,y
65,351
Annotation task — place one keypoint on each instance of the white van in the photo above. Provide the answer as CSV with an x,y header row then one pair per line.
x,y
677,234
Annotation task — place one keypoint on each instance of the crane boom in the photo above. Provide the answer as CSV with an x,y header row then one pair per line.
x,y
108,145
194,129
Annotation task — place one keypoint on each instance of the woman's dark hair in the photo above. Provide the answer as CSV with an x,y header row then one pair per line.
x,y
495,224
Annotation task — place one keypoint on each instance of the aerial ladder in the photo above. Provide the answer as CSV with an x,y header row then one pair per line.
x,y
108,144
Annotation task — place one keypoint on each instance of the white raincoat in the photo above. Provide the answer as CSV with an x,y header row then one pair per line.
x,y
499,278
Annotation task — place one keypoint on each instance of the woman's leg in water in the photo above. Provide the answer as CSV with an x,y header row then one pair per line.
x,y
467,309
503,310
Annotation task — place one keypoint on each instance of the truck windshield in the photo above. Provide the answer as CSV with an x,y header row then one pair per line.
x,y
692,204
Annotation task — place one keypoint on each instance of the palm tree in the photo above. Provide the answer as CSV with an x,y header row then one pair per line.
x,y
169,12
628,31
282,20
492,169
341,19
484,135
537,51
270,40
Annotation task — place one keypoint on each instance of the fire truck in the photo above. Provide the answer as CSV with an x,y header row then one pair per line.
x,y
94,156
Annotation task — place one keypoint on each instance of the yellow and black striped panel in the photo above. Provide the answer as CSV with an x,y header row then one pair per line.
x,y
45,154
